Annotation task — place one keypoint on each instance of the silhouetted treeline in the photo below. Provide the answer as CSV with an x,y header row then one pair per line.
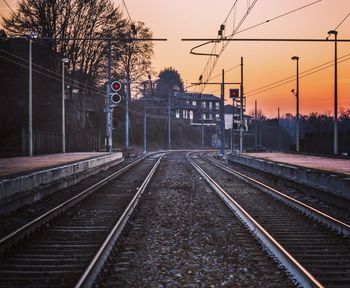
x,y
316,133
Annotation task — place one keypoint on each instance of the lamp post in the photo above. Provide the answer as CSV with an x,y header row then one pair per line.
x,y
64,60
297,115
335,145
31,37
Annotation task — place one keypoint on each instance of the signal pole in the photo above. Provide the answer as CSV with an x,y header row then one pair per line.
x,y
297,137
144,119
169,122
241,112
222,114
108,109
127,109
335,120
222,107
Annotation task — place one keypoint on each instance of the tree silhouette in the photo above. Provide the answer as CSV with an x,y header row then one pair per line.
x,y
169,81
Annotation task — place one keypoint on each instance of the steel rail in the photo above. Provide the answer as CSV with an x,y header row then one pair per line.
x,y
301,275
28,228
331,222
90,274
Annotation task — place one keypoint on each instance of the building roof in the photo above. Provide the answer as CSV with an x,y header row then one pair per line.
x,y
195,96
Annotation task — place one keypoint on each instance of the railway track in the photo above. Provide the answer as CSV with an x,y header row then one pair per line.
x,y
56,249
184,236
313,246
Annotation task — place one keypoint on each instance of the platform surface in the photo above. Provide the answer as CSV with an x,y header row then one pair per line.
x,y
314,162
19,165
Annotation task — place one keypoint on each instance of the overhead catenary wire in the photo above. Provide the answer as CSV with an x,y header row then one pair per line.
x,y
9,6
292,78
277,17
212,61
57,78
127,10
236,31
342,21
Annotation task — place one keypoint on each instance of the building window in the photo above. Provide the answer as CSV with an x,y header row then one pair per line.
x,y
177,113
191,114
203,116
203,104
184,114
217,105
194,103
210,105
210,116
217,116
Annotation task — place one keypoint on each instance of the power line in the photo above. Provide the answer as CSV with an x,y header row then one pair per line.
x,y
9,6
277,17
292,78
342,21
96,91
212,61
226,71
229,13
127,11
235,31
87,86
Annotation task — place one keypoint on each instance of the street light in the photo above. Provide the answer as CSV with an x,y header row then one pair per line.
x,y
335,147
64,60
31,37
297,116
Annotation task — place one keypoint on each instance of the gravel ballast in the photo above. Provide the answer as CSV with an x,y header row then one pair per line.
x,y
183,236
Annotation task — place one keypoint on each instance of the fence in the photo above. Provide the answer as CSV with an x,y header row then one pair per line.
x,y
322,142
46,142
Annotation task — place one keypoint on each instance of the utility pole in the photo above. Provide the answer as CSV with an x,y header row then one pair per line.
x,y
64,60
169,121
108,109
335,140
256,125
279,130
202,133
241,131
232,128
222,103
222,114
144,118
297,141
30,120
127,110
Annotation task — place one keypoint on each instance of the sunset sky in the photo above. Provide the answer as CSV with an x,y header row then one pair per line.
x,y
264,62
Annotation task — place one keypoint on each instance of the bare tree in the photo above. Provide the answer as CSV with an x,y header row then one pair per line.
x,y
259,115
134,58
74,19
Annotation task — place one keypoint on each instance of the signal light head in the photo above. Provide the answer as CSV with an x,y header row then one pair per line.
x,y
234,93
116,86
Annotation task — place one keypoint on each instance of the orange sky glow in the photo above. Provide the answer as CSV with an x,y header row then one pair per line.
x,y
264,62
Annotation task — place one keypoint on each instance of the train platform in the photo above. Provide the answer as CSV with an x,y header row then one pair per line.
x,y
330,175
24,180
326,164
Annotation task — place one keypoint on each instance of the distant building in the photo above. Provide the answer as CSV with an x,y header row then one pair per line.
x,y
196,108
232,115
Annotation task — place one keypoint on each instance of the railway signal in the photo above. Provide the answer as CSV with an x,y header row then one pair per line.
x,y
234,93
115,97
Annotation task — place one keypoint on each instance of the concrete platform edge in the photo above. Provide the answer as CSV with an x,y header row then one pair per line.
x,y
328,183
29,188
